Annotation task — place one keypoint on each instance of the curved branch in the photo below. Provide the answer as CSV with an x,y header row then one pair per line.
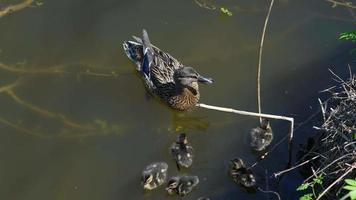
x,y
14,8
47,113
260,59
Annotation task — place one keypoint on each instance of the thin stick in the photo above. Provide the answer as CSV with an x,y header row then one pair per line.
x,y
13,8
336,3
337,180
294,167
240,112
260,60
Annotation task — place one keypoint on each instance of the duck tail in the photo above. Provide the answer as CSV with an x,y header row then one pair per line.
x,y
134,52
147,53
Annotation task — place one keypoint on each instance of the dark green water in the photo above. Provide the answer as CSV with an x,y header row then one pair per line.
x,y
46,156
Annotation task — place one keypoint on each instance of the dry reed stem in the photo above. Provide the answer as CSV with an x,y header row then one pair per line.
x,y
14,8
349,170
260,59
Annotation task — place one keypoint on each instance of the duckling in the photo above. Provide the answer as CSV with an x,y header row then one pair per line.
x,y
163,75
261,136
182,152
154,175
182,185
240,174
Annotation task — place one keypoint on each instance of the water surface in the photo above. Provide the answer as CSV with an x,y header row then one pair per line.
x,y
79,135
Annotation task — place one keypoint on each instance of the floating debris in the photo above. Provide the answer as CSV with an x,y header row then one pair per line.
x,y
181,185
207,4
154,175
262,136
182,151
240,174
226,11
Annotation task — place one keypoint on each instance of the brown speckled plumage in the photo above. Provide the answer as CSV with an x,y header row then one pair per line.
x,y
165,76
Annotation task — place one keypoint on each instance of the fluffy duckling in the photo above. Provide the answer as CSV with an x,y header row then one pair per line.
x,y
240,174
182,185
154,175
182,151
262,136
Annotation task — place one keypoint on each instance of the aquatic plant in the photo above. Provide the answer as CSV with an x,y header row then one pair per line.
x,y
317,181
333,151
351,36
226,11
351,187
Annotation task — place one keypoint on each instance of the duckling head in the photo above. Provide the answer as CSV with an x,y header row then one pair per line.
x,y
182,139
189,77
237,163
147,182
265,124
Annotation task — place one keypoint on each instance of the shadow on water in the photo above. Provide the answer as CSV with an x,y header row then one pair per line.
x,y
78,124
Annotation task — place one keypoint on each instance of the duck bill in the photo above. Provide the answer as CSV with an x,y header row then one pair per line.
x,y
205,80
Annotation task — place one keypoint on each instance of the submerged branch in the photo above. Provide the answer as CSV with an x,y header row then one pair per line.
x,y
19,128
345,4
57,69
47,113
14,8
9,86
51,70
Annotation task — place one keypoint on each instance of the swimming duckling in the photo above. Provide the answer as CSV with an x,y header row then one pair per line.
x,y
240,174
163,75
261,136
154,175
182,151
181,185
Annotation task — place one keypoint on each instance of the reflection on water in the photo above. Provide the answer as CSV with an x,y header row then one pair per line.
x,y
75,119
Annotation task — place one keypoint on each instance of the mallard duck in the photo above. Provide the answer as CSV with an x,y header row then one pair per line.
x,y
261,136
154,175
240,174
182,185
182,151
163,75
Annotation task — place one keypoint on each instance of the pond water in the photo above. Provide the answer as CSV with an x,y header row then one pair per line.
x,y
86,128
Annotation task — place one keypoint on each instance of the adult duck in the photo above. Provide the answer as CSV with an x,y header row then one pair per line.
x,y
163,75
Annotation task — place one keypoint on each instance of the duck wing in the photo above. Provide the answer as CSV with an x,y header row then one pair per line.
x,y
157,65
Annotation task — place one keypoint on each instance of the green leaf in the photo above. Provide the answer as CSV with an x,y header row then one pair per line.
x,y
303,186
306,197
226,11
350,182
351,35
352,195
318,180
349,187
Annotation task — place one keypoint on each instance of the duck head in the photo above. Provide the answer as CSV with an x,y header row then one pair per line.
x,y
189,77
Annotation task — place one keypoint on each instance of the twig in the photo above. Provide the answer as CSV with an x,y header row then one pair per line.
x,y
260,60
240,112
349,170
270,191
336,3
51,70
46,113
14,8
294,167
